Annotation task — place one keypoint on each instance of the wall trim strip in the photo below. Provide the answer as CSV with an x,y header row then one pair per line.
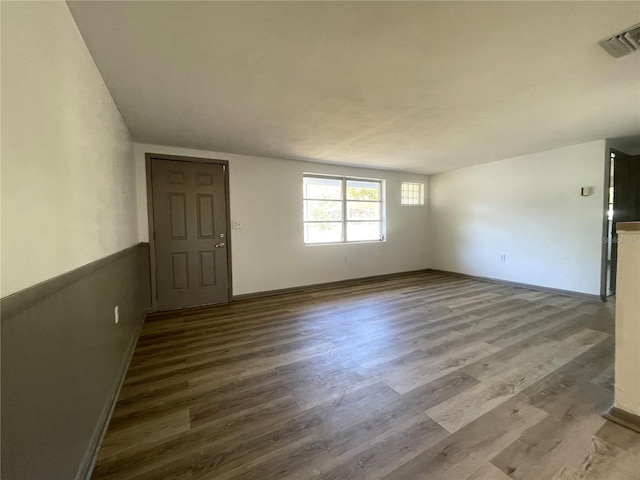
x,y
623,418
16,302
628,227
322,286
584,296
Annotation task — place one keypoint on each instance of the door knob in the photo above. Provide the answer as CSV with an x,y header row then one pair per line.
x,y
220,245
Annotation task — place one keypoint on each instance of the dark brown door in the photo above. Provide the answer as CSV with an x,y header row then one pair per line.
x,y
190,233
626,201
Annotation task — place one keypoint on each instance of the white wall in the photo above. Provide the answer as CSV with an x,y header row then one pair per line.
x,y
627,382
528,208
67,166
268,252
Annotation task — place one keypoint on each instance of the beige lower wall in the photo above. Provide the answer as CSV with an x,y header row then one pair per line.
x,y
627,375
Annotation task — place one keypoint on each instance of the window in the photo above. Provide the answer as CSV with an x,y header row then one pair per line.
x,y
412,193
339,210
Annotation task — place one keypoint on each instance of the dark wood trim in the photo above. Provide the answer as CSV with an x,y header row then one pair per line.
x,y
623,418
89,462
570,293
152,245
322,286
16,302
149,157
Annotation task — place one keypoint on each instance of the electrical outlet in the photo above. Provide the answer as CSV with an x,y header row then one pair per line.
x,y
503,258
116,314
235,224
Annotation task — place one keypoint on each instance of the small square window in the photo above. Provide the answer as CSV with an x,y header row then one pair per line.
x,y
412,193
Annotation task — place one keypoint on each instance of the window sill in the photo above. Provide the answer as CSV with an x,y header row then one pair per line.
x,y
344,243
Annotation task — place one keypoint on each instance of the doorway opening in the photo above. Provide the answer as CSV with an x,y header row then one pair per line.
x,y
622,205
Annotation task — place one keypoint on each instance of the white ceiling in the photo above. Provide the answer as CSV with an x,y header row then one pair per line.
x,y
413,86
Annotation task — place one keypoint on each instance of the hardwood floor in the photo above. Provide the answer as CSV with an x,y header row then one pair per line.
x,y
425,376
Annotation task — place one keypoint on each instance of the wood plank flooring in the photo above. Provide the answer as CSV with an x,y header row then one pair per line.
x,y
423,376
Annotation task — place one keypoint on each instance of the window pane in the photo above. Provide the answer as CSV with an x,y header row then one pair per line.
x,y
363,211
322,232
360,231
322,210
412,193
363,190
322,188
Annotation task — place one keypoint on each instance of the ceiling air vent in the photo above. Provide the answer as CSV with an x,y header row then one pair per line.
x,y
623,43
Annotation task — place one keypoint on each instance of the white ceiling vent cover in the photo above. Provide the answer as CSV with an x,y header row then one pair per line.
x,y
623,43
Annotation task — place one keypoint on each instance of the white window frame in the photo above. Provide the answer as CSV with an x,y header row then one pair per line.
x,y
421,199
344,202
